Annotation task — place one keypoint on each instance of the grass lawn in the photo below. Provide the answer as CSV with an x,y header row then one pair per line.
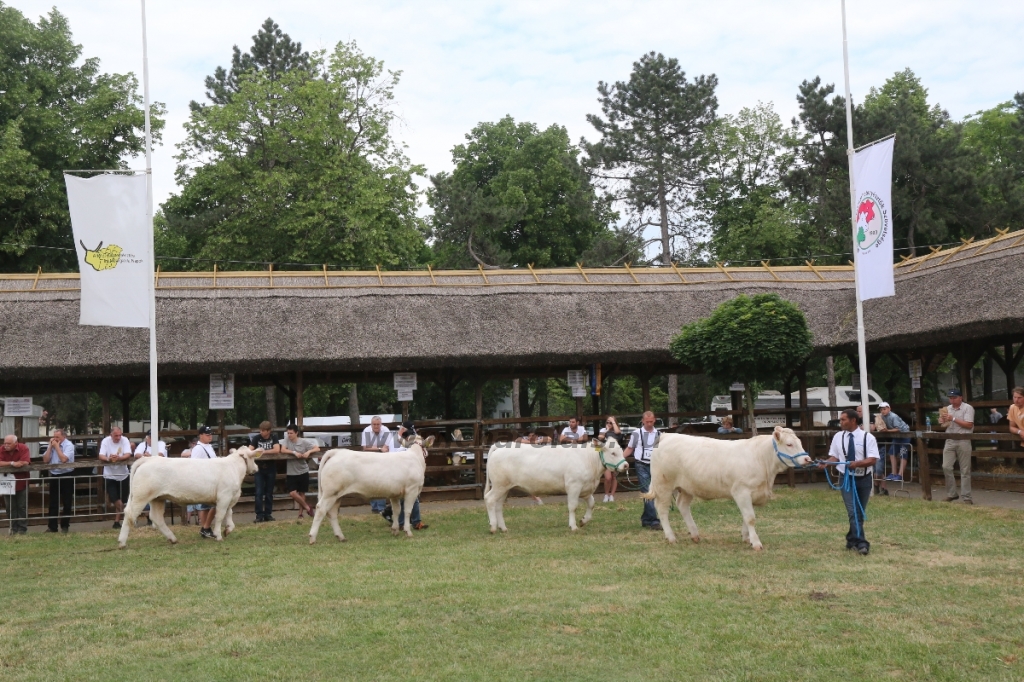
x,y
941,597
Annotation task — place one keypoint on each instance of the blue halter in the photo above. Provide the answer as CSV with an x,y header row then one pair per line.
x,y
790,460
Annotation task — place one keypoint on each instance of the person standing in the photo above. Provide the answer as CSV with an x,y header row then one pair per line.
x,y
115,450
15,454
611,482
405,431
376,437
958,418
145,448
266,474
190,510
61,482
641,445
297,471
1016,413
858,450
573,433
899,448
204,450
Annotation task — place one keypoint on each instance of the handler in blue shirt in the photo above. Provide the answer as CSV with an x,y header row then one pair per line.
x,y
858,451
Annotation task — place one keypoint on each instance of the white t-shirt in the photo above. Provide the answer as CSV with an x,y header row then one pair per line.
x,y
580,432
108,447
376,440
203,451
841,441
643,443
161,449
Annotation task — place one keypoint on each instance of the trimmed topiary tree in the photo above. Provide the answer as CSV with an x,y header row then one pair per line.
x,y
758,338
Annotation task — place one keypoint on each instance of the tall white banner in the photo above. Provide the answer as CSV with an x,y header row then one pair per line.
x,y
872,175
109,221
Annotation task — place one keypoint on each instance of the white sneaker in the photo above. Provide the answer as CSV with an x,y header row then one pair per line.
x,y
611,498
605,498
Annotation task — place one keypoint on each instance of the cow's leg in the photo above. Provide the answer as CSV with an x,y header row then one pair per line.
x,y
224,503
156,513
683,501
662,505
590,511
133,510
396,514
229,519
746,506
318,517
333,515
490,498
573,494
410,500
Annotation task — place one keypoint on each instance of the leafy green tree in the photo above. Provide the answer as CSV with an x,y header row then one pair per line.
x,y
996,136
295,163
758,338
57,112
518,195
652,145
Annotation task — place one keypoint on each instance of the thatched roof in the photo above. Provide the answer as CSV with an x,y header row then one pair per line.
x,y
369,321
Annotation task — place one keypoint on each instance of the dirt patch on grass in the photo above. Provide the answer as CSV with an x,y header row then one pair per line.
x,y
820,596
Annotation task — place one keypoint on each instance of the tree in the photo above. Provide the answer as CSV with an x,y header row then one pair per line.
x,y
295,165
651,147
518,196
57,113
758,338
996,136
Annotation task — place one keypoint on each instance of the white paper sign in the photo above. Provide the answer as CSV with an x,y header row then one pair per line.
x,y
576,378
405,381
737,388
109,219
404,395
7,484
17,407
915,369
222,391
579,391
872,240
915,382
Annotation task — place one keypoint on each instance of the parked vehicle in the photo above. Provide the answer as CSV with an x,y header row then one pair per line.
x,y
817,400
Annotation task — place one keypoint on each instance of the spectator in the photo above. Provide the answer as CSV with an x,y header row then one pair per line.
x,y
406,430
994,416
190,510
641,445
858,451
266,475
958,418
727,427
573,433
15,454
203,450
375,439
1016,414
62,482
145,448
890,422
116,450
611,481
297,471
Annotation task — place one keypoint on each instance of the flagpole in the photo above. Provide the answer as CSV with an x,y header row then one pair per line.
x,y
154,414
861,342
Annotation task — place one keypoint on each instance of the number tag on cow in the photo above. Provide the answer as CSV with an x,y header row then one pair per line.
x,y
7,484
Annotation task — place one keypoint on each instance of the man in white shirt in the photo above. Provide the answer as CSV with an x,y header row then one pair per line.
x,y
376,438
62,481
641,445
145,448
958,418
203,450
115,450
857,450
573,433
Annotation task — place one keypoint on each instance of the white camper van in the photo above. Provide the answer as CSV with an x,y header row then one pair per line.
x,y
817,400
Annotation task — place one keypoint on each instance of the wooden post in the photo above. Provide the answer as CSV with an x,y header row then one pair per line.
x,y
18,428
1009,368
300,403
105,425
965,373
478,441
645,389
126,409
788,402
405,410
923,466
223,435
579,409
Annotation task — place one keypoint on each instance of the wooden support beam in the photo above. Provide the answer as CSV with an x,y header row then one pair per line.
x,y
300,403
645,390
478,440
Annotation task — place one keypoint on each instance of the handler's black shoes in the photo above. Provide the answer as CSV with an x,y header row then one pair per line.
x,y
863,551
207,533
951,498
655,526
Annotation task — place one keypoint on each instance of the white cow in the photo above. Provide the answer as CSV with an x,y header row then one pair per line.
x,y
548,469
155,480
396,475
684,467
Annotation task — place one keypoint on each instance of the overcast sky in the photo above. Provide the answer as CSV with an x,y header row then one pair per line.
x,y
540,61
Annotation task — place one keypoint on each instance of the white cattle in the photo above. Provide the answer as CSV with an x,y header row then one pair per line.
x,y
548,469
396,476
155,480
687,467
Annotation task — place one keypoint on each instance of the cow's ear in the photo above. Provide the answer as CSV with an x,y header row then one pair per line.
x,y
778,433
428,442
232,451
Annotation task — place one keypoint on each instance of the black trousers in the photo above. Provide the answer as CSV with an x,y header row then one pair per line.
x,y
62,491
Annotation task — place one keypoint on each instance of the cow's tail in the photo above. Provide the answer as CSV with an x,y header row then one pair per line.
x,y
650,495
130,515
487,486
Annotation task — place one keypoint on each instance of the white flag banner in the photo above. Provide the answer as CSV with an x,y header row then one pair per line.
x,y
109,221
872,174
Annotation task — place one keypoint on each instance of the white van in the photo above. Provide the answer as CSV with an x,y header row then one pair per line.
x,y
817,400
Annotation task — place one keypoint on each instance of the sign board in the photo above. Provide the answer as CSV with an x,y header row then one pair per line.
x,y
737,388
404,395
222,391
915,382
579,392
406,381
576,377
17,407
915,369
7,484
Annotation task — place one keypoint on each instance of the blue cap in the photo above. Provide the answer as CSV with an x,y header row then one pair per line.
x,y
955,392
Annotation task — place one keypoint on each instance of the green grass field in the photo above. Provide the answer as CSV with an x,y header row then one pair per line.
x,y
941,597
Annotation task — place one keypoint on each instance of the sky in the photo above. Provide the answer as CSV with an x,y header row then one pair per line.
x,y
465,62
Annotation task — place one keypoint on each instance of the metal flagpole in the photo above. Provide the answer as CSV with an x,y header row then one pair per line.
x,y
154,414
861,343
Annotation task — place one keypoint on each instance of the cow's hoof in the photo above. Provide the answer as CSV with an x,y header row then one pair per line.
x,y
493,531
671,541
758,548
173,541
696,539
120,546
312,541
504,530
394,531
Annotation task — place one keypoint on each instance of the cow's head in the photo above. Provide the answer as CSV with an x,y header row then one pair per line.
x,y
789,449
418,440
249,456
610,453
